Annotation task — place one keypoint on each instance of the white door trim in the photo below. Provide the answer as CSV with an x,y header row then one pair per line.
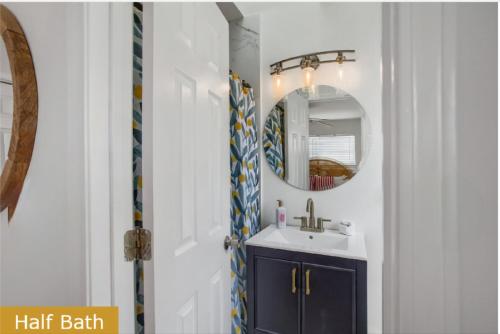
x,y
108,155
147,150
96,147
390,285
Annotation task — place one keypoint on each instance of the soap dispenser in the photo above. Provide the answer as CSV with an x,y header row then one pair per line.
x,y
280,215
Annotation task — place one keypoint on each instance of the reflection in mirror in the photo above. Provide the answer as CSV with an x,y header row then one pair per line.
x,y
314,138
6,104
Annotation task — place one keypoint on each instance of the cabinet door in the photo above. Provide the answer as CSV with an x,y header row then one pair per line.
x,y
329,300
277,296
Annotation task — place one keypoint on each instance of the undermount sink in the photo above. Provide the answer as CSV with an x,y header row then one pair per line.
x,y
329,242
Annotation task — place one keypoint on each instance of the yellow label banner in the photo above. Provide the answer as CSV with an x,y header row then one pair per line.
x,y
58,319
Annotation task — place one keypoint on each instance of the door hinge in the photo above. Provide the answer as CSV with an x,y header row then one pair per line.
x,y
137,244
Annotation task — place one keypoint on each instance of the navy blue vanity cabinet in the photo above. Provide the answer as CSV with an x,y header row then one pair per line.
x,y
329,296
329,304
279,280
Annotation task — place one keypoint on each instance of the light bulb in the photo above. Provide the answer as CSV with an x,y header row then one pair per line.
x,y
308,76
277,80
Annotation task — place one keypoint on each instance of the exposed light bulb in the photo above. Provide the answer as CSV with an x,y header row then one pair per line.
x,y
341,73
277,80
308,76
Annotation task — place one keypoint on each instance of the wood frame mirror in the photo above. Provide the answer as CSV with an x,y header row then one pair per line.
x,y
25,111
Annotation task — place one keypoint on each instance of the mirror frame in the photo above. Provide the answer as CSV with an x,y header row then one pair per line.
x,y
25,111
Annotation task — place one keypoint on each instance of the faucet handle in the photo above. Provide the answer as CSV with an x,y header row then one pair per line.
x,y
303,221
320,224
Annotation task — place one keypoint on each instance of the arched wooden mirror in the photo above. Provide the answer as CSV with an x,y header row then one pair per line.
x,y
18,109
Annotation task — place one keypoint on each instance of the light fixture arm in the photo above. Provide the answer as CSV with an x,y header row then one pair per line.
x,y
311,60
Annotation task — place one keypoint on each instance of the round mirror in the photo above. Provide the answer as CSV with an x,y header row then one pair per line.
x,y
315,138
18,109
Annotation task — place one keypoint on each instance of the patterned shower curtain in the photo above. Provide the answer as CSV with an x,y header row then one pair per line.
x,y
273,141
245,192
137,160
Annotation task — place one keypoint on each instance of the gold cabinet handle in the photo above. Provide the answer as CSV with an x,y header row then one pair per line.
x,y
308,289
294,286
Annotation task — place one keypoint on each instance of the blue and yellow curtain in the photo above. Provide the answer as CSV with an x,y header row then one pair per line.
x,y
273,140
137,159
245,192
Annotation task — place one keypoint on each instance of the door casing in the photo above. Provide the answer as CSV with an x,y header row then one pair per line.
x,y
107,72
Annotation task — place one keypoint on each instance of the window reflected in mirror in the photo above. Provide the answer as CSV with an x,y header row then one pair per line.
x,y
6,103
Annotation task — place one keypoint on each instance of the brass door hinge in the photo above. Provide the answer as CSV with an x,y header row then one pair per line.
x,y
137,244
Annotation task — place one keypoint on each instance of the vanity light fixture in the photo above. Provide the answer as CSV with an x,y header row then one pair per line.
x,y
277,75
309,63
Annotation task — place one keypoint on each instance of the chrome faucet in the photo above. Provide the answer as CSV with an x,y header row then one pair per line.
x,y
311,225
310,209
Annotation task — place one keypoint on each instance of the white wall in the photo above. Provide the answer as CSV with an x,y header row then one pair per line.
x,y
293,29
42,249
477,174
244,49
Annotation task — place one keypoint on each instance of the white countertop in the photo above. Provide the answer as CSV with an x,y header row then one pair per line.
x,y
329,242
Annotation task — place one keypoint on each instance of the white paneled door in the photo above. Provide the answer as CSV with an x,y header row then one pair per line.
x,y
186,168
297,136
